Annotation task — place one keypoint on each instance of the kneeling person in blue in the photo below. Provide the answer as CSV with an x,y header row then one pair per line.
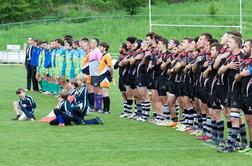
x,y
63,111
80,106
24,107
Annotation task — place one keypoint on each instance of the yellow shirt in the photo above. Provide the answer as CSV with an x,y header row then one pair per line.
x,y
105,63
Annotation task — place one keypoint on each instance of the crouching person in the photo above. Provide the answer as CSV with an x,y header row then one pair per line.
x,y
24,107
63,111
80,105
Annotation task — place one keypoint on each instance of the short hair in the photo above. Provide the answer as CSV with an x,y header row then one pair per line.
x,y
213,41
139,42
188,39
164,41
60,41
196,39
97,41
150,34
248,40
238,40
76,42
85,39
82,77
207,35
217,45
105,45
19,90
131,39
124,46
69,41
64,94
235,33
66,37
157,37
176,42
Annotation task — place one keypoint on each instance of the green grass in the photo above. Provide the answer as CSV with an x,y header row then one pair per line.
x,y
116,30
118,142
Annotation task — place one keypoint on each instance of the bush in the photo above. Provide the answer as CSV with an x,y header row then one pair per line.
x,y
212,9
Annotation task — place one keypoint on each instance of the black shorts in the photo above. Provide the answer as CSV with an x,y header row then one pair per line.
x,y
190,90
176,89
152,83
221,94
214,102
235,100
185,88
121,84
203,95
130,81
161,84
141,81
247,105
95,81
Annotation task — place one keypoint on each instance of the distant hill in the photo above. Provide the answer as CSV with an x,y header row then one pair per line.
x,y
113,27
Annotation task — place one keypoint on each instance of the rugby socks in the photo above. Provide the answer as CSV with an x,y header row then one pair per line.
x,y
177,109
91,99
204,125
146,109
106,103
220,130
186,118
166,112
190,116
125,106
98,101
250,144
129,105
138,109
243,134
214,130
208,126
229,126
200,121
59,119
235,132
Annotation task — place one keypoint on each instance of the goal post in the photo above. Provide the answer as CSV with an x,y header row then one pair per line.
x,y
194,25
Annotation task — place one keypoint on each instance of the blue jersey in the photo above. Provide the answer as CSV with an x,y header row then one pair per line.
x,y
53,56
70,66
81,53
35,56
48,59
28,104
61,61
81,97
65,107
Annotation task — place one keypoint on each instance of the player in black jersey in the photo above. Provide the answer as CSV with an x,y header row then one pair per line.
x,y
118,65
246,84
234,98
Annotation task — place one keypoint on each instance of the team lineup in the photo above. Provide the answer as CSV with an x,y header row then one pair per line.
x,y
201,77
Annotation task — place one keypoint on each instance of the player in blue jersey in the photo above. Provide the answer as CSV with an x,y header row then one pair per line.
x,y
24,107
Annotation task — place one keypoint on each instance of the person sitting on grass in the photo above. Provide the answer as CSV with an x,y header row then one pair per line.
x,y
24,107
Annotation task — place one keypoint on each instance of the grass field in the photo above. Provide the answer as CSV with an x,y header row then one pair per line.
x,y
115,30
118,142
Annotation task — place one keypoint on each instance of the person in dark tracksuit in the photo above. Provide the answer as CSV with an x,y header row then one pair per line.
x,y
24,107
63,111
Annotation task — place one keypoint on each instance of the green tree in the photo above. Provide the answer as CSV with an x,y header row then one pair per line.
x,y
13,10
132,6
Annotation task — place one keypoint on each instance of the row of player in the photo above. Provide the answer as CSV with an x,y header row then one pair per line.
x,y
206,77
54,65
